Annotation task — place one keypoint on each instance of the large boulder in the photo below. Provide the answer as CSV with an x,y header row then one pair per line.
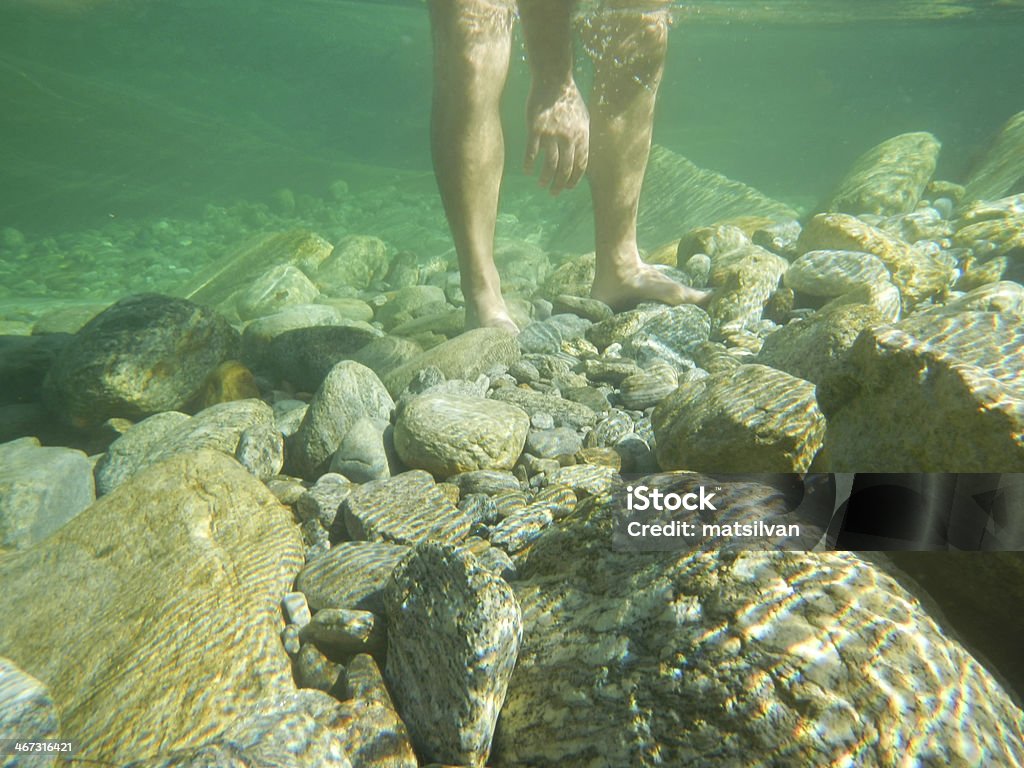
x,y
143,355
168,586
750,419
932,393
736,659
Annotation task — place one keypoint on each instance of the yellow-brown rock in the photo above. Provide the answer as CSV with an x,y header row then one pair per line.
x,y
229,381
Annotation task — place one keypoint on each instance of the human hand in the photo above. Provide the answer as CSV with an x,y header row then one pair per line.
x,y
558,127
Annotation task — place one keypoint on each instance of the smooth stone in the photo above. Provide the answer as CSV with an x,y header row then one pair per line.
x,y
351,575
486,481
143,355
584,479
834,273
376,735
387,353
719,636
405,509
407,303
304,356
444,323
260,333
565,413
620,326
678,329
349,392
884,298
312,669
589,309
751,419
24,362
550,443
932,393
443,606
647,388
349,308
227,382
355,261
515,532
159,437
363,454
202,555
344,632
449,434
464,357
1005,296
573,278
41,489
889,178
296,609
279,287
26,710
1001,168
288,415
744,281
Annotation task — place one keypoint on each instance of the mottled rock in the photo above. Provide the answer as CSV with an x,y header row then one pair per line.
x,y
312,669
932,393
914,272
515,532
584,479
349,392
258,335
550,443
889,178
159,437
321,502
40,490
810,348
454,630
376,735
1005,296
351,575
1002,166
991,229
884,298
405,509
261,450
744,279
448,434
143,355
732,665
464,357
564,412
304,356
573,278
834,273
229,381
647,388
26,710
752,419
408,303
590,309
279,287
354,262
344,632
212,607
484,481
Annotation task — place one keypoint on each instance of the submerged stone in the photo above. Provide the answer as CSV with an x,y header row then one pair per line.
x,y
1002,166
464,357
834,273
354,262
277,288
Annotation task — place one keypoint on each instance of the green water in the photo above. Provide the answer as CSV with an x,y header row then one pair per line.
x,y
153,109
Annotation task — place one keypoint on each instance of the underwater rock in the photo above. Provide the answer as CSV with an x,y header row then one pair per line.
x,y
672,330
932,393
751,419
551,443
304,356
276,289
743,280
647,388
809,348
409,303
564,412
26,709
351,575
349,392
677,196
888,179
993,229
1002,166
454,630
261,450
1005,296
584,479
226,383
834,273
199,558
321,502
159,437
354,263
343,632
24,362
573,278
516,531
589,309
385,354
375,735
143,355
620,326
447,434
41,489
258,335
363,455
545,337
301,249
304,727
484,481
405,509
707,658
917,274
883,297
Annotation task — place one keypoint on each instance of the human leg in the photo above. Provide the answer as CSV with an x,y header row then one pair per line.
x,y
472,44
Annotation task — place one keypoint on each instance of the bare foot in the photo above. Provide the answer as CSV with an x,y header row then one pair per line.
x,y
489,315
645,283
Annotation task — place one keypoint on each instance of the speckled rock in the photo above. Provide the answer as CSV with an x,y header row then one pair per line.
x,y
350,392
375,735
261,450
564,412
213,607
143,355
464,357
752,419
550,443
26,710
351,575
454,630
279,287
889,178
515,532
159,437
354,262
295,728
590,309
810,347
834,273
40,490
932,393
733,666
448,434
405,509
304,356
744,279
1002,166
573,278
484,481
914,272
342,632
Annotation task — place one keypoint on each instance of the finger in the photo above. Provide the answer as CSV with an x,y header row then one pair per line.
x,y
565,166
581,158
550,163
532,147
